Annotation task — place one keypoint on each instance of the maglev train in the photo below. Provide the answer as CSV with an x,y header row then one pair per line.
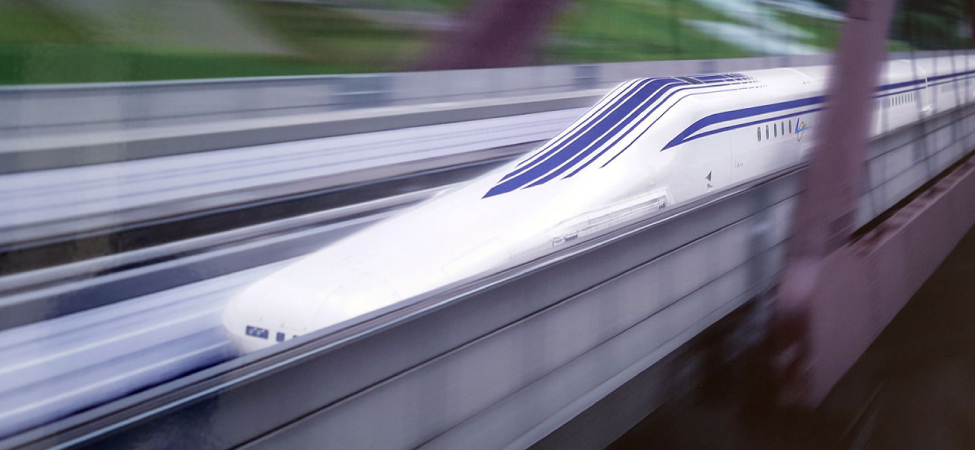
x,y
647,145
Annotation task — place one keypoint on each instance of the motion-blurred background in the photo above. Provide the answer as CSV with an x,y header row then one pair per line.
x,y
69,41
131,212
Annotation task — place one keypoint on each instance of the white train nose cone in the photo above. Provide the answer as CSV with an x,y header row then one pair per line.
x,y
245,319
274,309
238,323
294,301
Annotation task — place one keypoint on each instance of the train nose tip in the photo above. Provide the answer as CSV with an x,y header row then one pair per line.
x,y
295,302
262,315
245,335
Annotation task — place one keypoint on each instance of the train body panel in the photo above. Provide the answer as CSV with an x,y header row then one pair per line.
x,y
648,144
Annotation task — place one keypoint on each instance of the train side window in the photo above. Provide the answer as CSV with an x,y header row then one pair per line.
x,y
759,134
790,126
775,130
766,132
783,127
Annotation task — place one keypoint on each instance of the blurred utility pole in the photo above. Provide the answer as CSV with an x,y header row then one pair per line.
x,y
808,358
970,8
492,33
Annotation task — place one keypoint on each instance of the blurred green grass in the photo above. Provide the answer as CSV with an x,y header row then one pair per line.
x,y
39,44
340,39
823,33
826,34
630,30
62,63
414,5
27,22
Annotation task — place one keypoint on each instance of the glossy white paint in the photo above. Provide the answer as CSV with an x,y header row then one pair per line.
x,y
682,139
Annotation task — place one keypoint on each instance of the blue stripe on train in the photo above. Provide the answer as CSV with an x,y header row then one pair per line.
x,y
560,154
595,132
580,128
685,136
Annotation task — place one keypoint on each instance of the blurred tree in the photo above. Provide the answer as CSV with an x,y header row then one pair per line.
x,y
928,24
492,33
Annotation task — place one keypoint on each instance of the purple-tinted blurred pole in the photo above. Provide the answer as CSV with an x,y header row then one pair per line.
x,y
492,33
970,4
831,187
